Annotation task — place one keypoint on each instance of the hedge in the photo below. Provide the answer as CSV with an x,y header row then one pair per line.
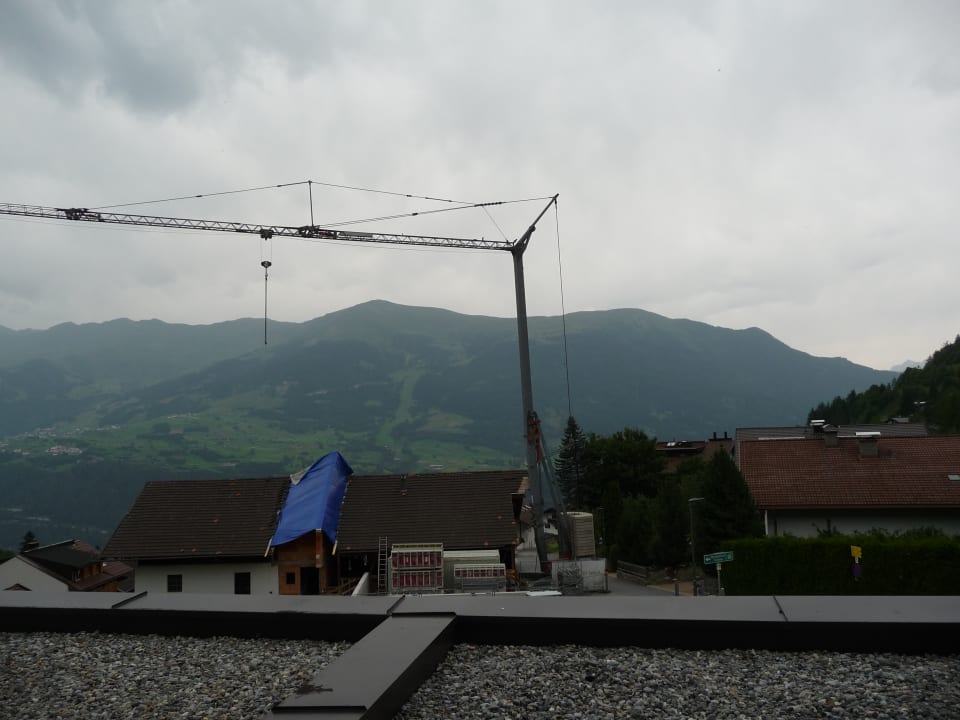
x,y
890,565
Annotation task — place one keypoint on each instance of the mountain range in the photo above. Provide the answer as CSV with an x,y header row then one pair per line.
x,y
394,388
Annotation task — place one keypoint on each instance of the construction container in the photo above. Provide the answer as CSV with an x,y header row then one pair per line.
x,y
581,534
416,568
480,577
451,558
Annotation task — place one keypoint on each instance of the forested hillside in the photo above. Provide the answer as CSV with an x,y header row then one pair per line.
x,y
89,412
929,394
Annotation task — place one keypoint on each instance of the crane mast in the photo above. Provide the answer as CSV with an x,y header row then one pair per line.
x,y
531,424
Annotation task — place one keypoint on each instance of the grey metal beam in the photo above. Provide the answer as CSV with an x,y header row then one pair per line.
x,y
874,623
378,674
194,614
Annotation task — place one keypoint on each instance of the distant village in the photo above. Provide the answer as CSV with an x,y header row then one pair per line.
x,y
326,530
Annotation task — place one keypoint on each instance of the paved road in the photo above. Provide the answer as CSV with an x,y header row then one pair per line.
x,y
628,587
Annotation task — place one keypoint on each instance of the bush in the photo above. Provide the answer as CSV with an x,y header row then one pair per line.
x,y
612,555
911,564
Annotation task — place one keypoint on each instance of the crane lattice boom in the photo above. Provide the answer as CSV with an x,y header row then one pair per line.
x,y
307,232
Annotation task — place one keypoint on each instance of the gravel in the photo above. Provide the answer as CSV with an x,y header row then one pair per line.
x,y
118,677
580,682
98,676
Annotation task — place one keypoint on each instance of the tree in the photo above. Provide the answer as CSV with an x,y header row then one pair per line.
x,y
636,531
670,525
612,503
628,458
568,466
29,541
727,511
929,394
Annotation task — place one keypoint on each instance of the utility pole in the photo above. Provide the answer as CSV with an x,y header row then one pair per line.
x,y
693,548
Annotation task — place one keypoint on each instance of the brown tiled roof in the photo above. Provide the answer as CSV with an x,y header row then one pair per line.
x,y
64,556
65,560
675,453
468,510
109,572
909,472
200,519
806,431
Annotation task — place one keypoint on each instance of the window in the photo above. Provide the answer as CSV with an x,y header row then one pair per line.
x,y
291,578
241,583
174,583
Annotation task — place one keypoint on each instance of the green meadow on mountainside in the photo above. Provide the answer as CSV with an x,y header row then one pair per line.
x,y
95,410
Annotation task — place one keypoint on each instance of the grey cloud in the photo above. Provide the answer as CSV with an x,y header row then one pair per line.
x,y
159,57
727,162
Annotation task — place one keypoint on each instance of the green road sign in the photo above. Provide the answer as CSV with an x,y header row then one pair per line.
x,y
719,557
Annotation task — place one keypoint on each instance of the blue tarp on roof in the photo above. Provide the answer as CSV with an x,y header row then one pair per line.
x,y
314,499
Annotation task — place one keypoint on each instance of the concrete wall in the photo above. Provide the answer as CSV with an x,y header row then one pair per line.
x,y
211,578
15,570
807,523
593,573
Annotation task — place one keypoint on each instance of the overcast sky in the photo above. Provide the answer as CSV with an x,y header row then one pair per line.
x,y
791,166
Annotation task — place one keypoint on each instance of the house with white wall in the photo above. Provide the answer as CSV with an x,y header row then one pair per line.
x,y
68,566
318,531
202,536
243,536
828,483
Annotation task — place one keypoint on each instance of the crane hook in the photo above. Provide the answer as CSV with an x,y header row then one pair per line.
x,y
266,234
265,264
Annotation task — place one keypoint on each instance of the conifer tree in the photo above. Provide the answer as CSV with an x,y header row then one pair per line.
x,y
728,510
636,531
569,465
29,541
670,524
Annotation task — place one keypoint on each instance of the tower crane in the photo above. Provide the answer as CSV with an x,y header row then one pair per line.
x,y
534,455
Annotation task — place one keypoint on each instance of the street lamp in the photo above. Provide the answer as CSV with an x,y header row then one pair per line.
x,y
602,529
693,550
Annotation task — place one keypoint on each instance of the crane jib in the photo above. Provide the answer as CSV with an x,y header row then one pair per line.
x,y
307,232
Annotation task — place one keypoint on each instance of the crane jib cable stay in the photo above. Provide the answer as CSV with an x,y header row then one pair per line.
x,y
530,425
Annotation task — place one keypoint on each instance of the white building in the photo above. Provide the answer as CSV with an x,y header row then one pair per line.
x,y
808,485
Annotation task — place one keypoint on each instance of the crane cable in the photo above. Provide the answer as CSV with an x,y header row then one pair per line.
x,y
563,311
566,359
198,195
563,320
309,184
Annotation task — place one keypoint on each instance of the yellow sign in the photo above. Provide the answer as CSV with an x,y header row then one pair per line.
x,y
856,551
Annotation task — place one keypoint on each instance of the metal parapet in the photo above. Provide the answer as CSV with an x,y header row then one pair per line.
x,y
195,615
913,624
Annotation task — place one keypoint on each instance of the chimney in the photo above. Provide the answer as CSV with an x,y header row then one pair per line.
x,y
403,484
830,435
869,444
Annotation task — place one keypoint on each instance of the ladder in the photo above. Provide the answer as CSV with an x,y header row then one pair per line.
x,y
382,556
